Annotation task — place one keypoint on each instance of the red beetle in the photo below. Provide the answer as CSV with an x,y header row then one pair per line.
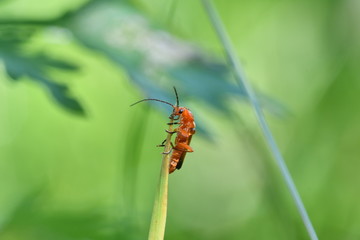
x,y
184,132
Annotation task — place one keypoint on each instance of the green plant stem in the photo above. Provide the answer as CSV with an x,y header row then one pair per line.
x,y
158,218
242,81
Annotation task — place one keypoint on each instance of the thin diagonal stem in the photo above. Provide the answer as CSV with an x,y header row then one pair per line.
x,y
242,81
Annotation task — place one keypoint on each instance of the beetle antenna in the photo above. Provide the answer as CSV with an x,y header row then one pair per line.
x,y
151,99
177,97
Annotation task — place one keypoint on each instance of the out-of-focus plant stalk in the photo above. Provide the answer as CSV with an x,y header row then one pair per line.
x,y
242,81
158,218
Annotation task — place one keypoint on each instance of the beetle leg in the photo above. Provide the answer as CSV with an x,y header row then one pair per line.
x,y
166,153
184,147
162,144
173,123
172,117
169,131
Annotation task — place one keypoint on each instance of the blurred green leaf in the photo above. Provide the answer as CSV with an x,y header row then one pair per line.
x,y
19,65
154,59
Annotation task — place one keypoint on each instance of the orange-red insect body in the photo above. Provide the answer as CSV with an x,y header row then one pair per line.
x,y
183,138
184,132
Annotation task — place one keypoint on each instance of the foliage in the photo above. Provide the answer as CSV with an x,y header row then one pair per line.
x,y
68,177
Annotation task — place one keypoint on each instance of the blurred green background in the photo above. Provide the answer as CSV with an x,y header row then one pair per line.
x,y
76,162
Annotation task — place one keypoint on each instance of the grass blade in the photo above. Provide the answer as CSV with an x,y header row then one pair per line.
x,y
242,81
158,218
